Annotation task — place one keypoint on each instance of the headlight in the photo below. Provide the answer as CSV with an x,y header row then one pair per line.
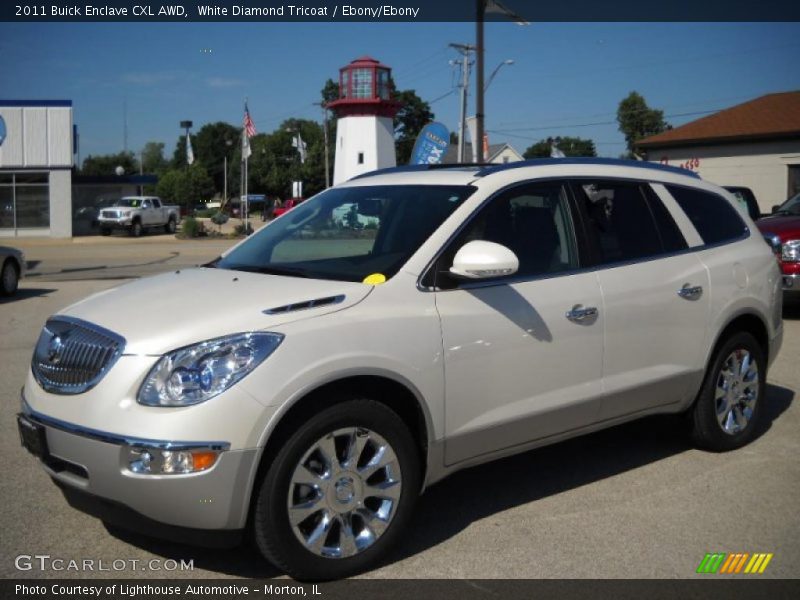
x,y
790,251
199,372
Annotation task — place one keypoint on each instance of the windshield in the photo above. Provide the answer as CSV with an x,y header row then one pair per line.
x,y
790,207
349,233
132,202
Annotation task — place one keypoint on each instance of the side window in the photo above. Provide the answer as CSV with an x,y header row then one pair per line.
x,y
533,221
714,218
146,204
156,203
621,220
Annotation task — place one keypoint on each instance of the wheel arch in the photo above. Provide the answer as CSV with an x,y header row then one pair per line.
x,y
745,320
389,389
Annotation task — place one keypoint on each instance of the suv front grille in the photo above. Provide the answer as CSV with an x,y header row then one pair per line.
x,y
111,214
72,356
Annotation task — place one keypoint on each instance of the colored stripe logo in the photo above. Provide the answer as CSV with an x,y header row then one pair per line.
x,y
734,563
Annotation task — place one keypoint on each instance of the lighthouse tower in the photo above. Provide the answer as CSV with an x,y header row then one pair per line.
x,y
364,131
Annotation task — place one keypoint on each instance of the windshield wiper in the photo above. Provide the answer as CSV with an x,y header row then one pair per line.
x,y
269,270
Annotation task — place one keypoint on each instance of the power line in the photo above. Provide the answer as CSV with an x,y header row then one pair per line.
x,y
570,125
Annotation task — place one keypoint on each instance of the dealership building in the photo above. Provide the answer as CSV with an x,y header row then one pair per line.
x,y
36,158
755,144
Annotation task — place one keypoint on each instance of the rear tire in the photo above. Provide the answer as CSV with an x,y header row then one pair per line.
x,y
339,492
9,278
726,413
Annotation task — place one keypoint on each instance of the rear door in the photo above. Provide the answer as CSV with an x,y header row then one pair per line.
x,y
523,354
655,296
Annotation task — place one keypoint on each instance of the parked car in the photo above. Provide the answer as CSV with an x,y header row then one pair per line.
x,y
497,308
12,270
782,231
745,200
288,205
138,213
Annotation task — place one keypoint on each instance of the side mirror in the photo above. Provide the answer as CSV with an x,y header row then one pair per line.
x,y
480,259
776,208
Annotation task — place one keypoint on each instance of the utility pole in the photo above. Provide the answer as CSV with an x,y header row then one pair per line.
x,y
465,50
479,86
325,131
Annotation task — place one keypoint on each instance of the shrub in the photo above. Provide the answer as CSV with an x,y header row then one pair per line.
x,y
191,228
239,229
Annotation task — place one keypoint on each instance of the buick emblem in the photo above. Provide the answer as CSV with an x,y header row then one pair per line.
x,y
54,350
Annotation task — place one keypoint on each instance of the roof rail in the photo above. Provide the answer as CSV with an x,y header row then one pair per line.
x,y
618,162
424,167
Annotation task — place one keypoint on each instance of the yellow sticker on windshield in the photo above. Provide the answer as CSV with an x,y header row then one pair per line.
x,y
375,279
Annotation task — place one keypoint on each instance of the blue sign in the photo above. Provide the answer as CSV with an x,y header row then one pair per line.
x,y
2,130
431,145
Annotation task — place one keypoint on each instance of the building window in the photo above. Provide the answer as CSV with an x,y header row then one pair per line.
x,y
24,200
361,158
362,83
383,84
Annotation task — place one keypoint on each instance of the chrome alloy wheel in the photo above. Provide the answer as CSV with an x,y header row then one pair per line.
x,y
344,492
736,392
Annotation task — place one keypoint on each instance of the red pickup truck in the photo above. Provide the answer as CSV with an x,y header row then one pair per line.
x,y
782,231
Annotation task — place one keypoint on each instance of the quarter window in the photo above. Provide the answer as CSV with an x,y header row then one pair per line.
x,y
714,218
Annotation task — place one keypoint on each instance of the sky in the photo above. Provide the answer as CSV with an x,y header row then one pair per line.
x,y
567,78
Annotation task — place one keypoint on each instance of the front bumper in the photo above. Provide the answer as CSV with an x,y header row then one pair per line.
x,y
91,464
119,223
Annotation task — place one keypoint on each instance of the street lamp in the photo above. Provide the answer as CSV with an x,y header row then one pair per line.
x,y
508,61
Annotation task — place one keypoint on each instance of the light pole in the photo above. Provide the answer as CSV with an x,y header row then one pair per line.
x,y
508,61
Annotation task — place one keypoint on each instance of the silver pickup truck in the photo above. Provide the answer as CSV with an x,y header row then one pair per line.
x,y
136,213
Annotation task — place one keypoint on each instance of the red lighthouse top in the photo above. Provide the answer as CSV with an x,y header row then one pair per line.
x,y
365,88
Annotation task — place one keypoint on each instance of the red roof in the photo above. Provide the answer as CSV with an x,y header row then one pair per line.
x,y
366,61
770,116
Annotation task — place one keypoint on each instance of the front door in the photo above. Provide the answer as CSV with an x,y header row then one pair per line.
x,y
523,355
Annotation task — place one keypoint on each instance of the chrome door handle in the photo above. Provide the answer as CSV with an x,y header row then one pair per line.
x,y
690,292
579,313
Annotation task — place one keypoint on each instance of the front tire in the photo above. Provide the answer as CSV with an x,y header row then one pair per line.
x,y
136,229
105,231
726,413
338,493
9,278
170,227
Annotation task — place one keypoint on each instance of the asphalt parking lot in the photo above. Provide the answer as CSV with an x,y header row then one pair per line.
x,y
636,501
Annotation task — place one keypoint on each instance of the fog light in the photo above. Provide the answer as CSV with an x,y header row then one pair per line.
x,y
156,461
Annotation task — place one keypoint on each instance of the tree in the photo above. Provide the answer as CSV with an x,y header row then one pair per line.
x,y
570,146
185,186
413,115
106,164
153,160
210,145
275,163
330,91
637,120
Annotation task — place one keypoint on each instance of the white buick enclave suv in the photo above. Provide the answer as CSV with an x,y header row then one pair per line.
x,y
393,330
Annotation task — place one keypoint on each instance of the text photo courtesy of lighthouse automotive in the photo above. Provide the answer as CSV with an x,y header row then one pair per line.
x,y
348,333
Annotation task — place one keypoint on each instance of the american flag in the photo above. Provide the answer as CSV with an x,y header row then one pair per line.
x,y
249,126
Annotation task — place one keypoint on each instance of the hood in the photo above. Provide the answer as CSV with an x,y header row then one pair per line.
x,y
785,226
168,311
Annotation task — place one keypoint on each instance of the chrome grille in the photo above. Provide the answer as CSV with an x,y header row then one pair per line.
x,y
111,214
72,356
